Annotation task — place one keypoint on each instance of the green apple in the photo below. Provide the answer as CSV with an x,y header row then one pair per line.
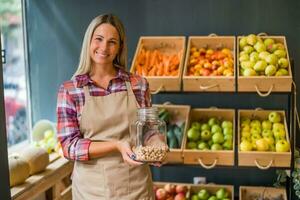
x,y
246,134
227,145
280,46
210,142
271,59
262,145
206,135
249,72
283,62
212,198
247,138
194,197
270,140
251,39
260,65
247,64
280,53
274,117
243,42
205,126
255,137
282,72
245,120
279,134
203,194
268,41
263,55
212,121
244,57
196,125
218,138
228,137
227,131
248,49
192,145
245,145
277,126
254,57
202,146
260,47
227,124
255,123
272,47
221,193
270,70
267,133
282,146
193,134
216,147
255,130
245,127
216,128
266,125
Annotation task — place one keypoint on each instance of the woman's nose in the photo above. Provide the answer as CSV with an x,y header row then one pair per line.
x,y
104,46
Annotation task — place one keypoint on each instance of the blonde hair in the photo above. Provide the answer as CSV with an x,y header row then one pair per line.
x,y
85,63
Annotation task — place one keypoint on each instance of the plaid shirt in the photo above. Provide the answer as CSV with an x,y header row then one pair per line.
x,y
70,102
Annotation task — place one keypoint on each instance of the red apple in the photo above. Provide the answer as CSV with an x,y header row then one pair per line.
x,y
181,189
161,194
170,188
180,196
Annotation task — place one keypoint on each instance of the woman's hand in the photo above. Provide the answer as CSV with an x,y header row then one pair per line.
x,y
125,149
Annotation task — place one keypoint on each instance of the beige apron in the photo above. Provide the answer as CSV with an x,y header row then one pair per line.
x,y
106,118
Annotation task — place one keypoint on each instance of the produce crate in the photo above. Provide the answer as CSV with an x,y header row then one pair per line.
x,y
195,188
168,45
264,85
209,83
253,192
179,114
208,158
262,159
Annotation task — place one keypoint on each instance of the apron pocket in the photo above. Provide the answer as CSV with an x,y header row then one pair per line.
x,y
117,179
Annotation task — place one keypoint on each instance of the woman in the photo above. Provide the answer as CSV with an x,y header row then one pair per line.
x,y
94,111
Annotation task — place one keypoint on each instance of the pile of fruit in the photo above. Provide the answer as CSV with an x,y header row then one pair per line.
x,y
49,142
265,57
156,63
175,128
209,62
203,194
212,134
171,192
264,135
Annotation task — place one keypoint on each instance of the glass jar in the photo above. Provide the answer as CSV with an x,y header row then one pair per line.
x,y
151,142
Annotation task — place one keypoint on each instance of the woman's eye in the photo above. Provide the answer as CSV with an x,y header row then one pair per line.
x,y
112,42
99,39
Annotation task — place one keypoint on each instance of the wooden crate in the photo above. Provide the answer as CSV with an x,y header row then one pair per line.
x,y
264,85
180,113
208,158
195,188
248,192
209,83
167,45
262,159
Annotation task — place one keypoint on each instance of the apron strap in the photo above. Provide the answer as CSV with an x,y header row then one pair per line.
x,y
130,92
86,92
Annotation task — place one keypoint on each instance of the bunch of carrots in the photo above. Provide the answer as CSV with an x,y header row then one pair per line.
x,y
156,63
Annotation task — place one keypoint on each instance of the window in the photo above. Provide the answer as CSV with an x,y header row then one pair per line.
x,y
14,74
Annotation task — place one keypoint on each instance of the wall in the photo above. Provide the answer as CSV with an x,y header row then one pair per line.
x,y
56,28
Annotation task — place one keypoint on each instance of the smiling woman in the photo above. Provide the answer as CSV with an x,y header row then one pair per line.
x,y
94,113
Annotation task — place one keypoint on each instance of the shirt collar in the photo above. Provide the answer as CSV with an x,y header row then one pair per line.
x,y
84,79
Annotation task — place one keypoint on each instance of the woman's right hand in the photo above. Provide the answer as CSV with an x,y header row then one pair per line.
x,y
125,149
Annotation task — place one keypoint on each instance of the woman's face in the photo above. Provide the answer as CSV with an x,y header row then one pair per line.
x,y
104,44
